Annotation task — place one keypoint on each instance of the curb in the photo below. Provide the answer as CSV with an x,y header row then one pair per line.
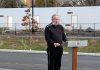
x,y
44,52
6,69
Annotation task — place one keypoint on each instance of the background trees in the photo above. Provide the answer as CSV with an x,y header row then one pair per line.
x,y
79,3
9,3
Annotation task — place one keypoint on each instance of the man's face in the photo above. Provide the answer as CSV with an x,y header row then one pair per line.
x,y
55,20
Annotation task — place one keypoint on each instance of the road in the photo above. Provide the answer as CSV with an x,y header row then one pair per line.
x,y
36,61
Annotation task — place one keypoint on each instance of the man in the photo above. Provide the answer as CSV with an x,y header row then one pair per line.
x,y
55,36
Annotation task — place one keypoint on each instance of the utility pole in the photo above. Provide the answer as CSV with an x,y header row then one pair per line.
x,y
45,3
33,4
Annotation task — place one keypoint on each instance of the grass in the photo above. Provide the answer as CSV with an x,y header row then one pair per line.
x,y
94,47
13,42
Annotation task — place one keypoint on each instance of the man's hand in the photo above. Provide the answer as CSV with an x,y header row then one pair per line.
x,y
56,44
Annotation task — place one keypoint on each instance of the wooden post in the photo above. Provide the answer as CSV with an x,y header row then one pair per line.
x,y
74,58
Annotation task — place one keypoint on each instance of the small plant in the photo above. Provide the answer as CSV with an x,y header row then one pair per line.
x,y
24,43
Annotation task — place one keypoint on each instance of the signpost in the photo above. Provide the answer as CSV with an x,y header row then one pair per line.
x,y
73,46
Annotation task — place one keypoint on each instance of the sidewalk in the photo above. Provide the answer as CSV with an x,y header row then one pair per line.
x,y
44,52
6,69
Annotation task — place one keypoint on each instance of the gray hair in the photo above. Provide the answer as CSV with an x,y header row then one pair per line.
x,y
54,15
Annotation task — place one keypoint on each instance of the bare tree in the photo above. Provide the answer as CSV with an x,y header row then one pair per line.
x,y
31,22
79,3
10,3
91,2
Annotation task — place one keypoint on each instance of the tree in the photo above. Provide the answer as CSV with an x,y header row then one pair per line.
x,y
49,3
26,19
11,3
39,3
79,3
7,3
52,3
91,2
31,22
27,3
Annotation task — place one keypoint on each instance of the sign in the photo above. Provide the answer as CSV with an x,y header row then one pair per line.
x,y
80,43
73,47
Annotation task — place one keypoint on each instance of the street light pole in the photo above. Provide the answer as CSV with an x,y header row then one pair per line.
x,y
45,3
33,8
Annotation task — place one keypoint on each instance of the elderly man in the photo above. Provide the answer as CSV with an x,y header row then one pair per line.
x,y
55,36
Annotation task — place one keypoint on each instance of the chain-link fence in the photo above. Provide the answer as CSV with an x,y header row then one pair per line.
x,y
81,29
84,30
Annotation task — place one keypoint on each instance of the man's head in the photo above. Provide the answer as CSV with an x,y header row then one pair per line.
x,y
55,19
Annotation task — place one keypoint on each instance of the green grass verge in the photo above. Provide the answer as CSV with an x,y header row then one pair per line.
x,y
13,42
